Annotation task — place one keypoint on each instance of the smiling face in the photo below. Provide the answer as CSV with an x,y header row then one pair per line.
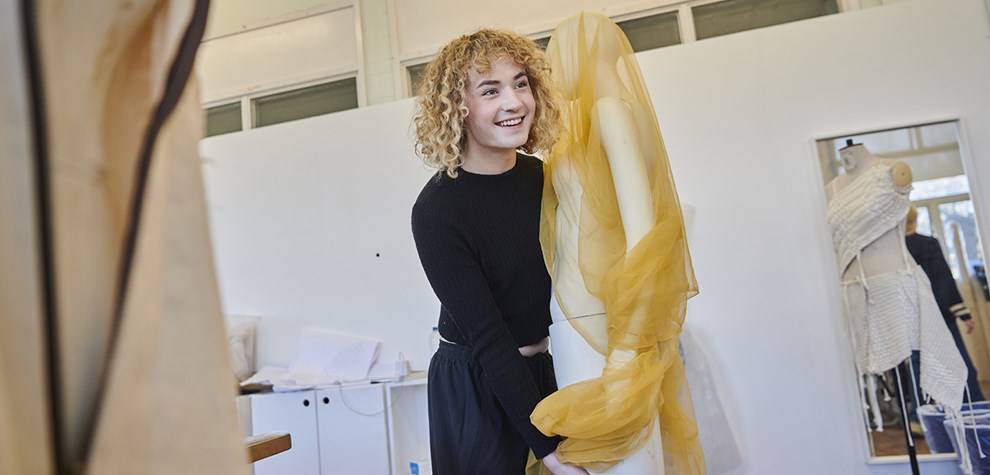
x,y
501,107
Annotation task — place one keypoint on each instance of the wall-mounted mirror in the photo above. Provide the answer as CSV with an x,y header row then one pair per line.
x,y
866,179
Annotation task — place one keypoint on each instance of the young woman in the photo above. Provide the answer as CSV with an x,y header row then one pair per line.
x,y
476,224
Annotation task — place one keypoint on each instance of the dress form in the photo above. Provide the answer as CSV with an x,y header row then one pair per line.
x,y
885,254
576,359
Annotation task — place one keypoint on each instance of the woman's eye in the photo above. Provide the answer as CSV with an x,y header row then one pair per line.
x,y
522,84
488,92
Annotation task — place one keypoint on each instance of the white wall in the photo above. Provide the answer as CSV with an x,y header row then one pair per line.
x,y
388,36
300,209
379,66
319,46
234,16
447,19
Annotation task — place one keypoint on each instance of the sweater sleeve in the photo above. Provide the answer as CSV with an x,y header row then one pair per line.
x,y
944,284
460,284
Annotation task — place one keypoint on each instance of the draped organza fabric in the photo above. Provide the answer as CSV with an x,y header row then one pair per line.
x,y
644,289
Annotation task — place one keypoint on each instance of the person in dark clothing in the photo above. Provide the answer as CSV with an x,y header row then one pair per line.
x,y
476,225
927,252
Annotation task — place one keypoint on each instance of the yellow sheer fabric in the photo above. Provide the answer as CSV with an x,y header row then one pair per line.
x,y
644,289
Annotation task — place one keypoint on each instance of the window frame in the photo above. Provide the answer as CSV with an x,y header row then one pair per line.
x,y
248,115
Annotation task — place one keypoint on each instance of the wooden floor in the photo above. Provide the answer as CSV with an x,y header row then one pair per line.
x,y
891,442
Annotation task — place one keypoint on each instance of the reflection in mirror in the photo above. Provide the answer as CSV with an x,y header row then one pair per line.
x,y
872,181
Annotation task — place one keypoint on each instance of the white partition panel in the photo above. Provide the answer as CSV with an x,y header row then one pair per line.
x,y
311,225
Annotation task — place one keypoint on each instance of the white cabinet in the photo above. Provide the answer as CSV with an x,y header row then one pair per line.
x,y
294,413
353,439
335,431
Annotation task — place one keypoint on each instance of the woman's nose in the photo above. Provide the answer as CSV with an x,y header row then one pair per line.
x,y
511,102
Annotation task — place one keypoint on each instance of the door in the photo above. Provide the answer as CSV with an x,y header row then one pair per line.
x,y
294,413
353,439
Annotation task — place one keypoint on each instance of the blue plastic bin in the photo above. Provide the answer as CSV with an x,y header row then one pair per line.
x,y
976,424
932,417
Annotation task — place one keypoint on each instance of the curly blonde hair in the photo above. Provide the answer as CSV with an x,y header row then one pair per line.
x,y
439,119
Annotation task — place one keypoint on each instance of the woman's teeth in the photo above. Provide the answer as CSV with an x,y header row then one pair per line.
x,y
510,122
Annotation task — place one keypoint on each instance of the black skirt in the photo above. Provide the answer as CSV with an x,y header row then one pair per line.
x,y
470,433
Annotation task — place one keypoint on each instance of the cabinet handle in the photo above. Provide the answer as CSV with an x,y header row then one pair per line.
x,y
306,402
326,400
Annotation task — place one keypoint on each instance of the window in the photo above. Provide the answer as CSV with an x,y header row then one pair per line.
x,y
305,102
959,216
942,218
223,119
939,187
416,73
731,16
652,32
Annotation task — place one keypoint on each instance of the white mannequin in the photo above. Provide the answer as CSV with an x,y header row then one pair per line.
x,y
886,253
574,359
883,255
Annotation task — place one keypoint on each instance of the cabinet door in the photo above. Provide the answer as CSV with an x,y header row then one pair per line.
x,y
353,439
294,413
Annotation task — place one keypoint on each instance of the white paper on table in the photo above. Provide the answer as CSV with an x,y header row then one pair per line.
x,y
283,380
323,354
389,371
382,372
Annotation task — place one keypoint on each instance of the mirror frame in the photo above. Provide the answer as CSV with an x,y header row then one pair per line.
x,y
976,195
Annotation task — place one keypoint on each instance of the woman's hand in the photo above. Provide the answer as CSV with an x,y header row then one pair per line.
x,y
557,468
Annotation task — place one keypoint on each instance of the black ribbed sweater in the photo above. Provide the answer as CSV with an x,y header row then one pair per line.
x,y
478,238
